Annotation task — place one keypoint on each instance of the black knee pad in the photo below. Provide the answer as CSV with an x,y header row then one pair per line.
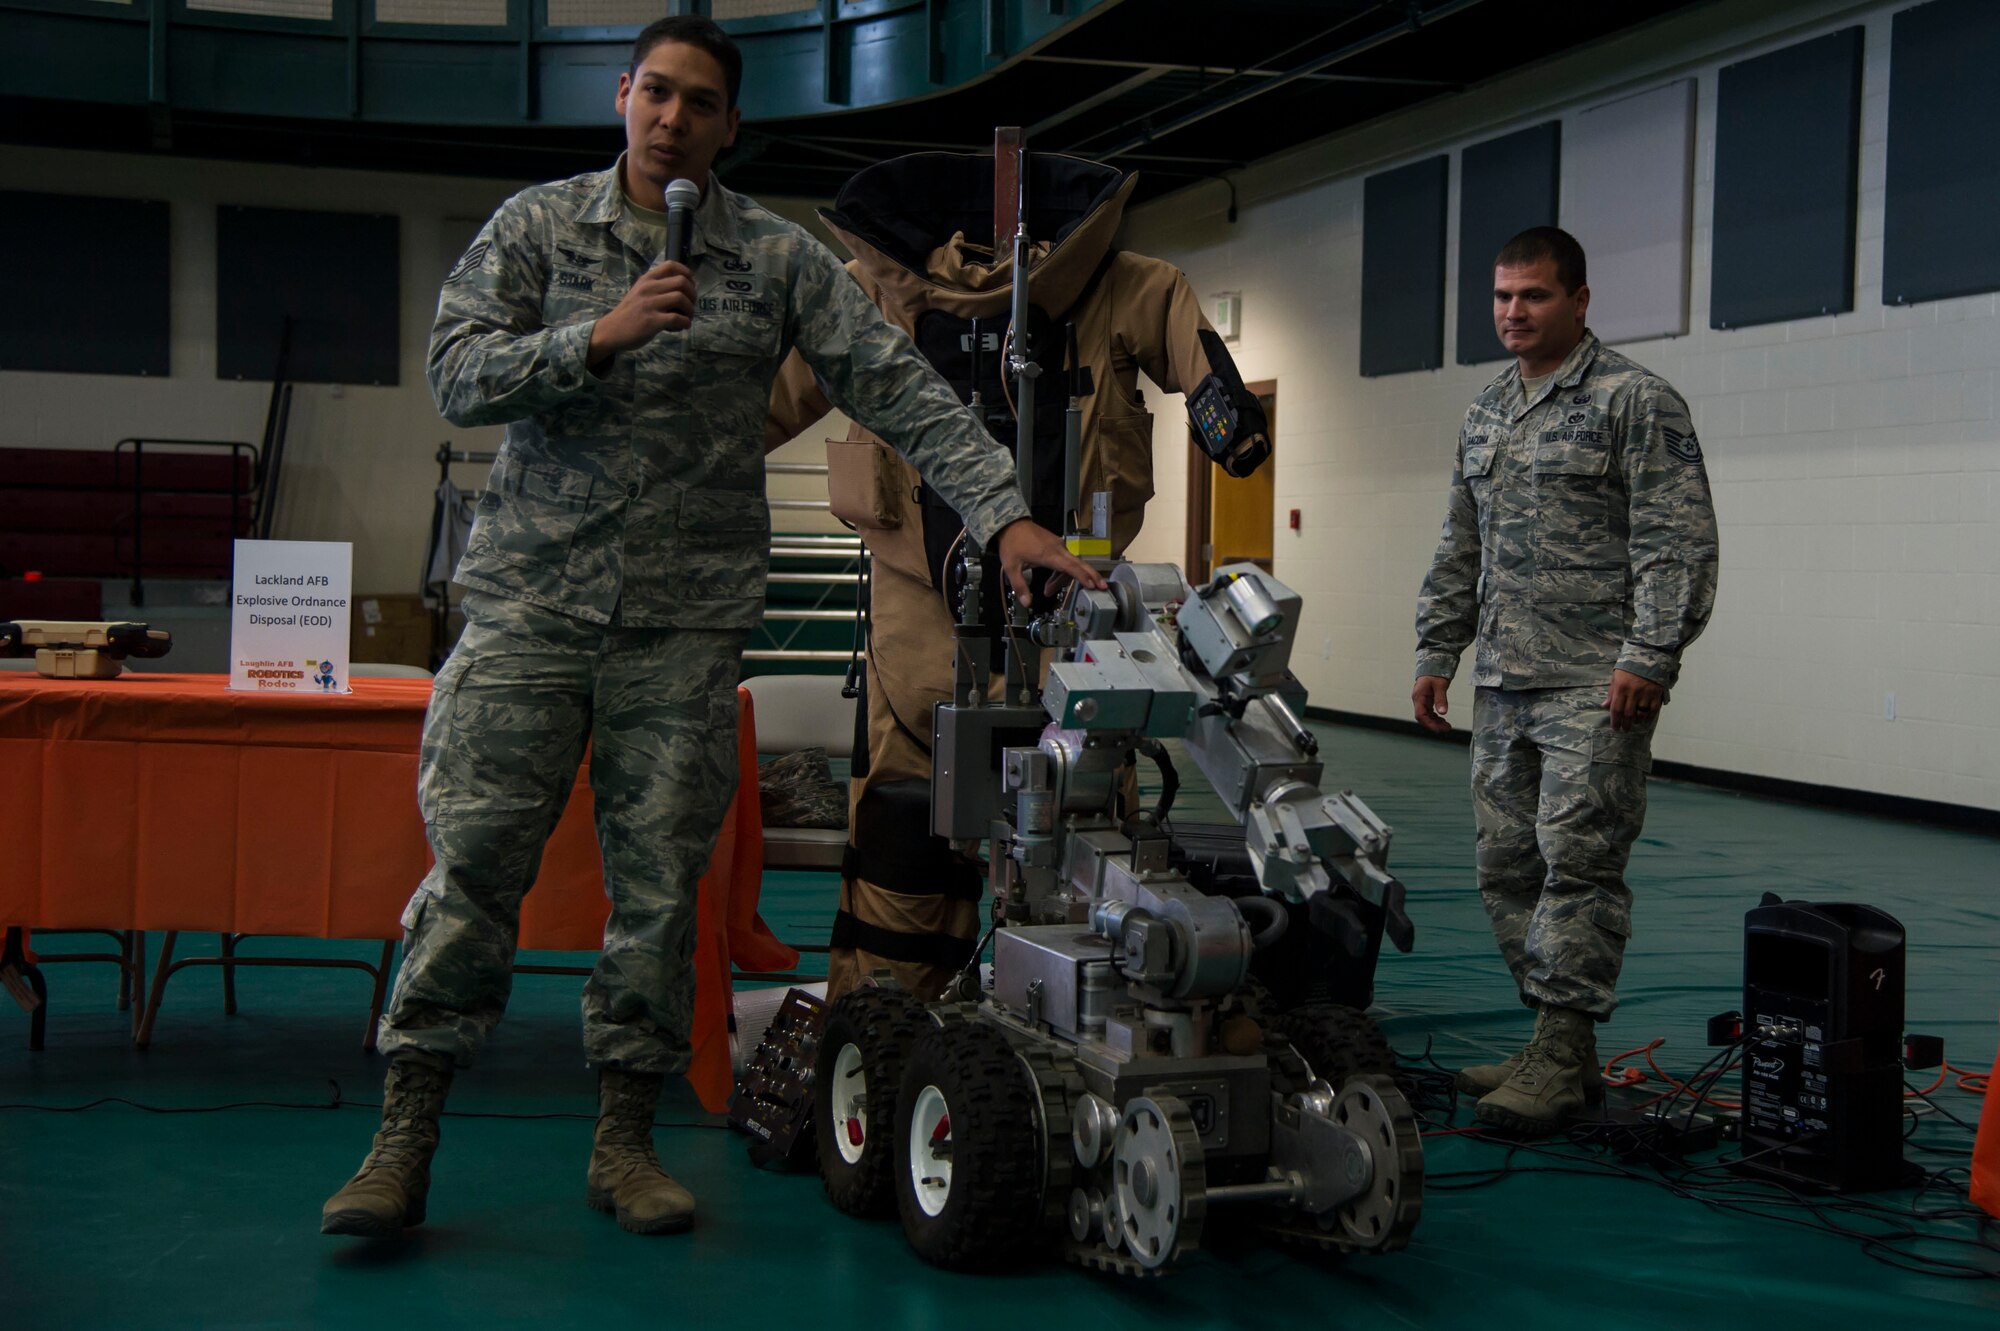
x,y
895,849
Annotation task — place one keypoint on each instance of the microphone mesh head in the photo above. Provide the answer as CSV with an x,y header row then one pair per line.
x,y
683,194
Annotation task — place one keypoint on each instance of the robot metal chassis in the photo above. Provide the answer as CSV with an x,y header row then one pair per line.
x,y
1115,1077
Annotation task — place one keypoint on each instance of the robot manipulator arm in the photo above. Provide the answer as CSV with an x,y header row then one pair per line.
x,y
1331,851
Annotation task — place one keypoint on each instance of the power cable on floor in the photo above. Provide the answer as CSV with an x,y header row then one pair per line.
x,y
1903,1234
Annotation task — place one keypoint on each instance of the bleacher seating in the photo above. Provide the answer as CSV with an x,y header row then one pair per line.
x,y
51,598
70,512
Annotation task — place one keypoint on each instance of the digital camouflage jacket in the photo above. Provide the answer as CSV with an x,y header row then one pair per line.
x,y
641,492
1579,535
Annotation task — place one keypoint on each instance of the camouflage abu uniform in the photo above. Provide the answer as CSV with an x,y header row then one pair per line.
x,y
617,561
1579,538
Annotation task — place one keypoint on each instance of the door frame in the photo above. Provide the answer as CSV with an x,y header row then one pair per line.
x,y
1200,483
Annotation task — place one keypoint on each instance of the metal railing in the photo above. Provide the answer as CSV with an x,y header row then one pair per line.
x,y
812,546
236,448
837,547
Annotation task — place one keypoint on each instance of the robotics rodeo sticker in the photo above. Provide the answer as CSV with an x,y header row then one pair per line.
x,y
294,676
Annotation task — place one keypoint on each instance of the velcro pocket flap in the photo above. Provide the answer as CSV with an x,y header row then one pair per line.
x,y
724,511
1585,585
1571,457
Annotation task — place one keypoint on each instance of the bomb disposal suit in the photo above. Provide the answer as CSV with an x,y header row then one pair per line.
x,y
908,902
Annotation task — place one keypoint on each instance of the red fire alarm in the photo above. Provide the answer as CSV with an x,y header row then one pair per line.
x,y
1294,524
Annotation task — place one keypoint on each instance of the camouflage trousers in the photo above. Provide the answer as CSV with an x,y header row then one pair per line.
x,y
1558,798
510,714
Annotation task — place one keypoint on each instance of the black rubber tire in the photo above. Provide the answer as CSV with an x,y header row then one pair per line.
x,y
1339,1042
882,1024
992,1217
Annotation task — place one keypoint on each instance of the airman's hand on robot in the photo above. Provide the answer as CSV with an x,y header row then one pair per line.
x,y
1431,703
1023,542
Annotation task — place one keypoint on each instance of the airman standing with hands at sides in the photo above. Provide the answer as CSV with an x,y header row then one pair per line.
x,y
1579,555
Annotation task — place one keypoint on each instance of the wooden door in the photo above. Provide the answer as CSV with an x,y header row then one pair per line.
x,y
1231,520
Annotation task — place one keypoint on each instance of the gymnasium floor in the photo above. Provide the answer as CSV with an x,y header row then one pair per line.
x,y
206,1215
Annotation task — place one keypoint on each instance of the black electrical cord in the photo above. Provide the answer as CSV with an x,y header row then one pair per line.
x,y
851,682
1170,779
1940,1109
1899,1234
1765,1199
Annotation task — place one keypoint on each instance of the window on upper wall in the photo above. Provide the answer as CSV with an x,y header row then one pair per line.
x,y
1943,188
444,13
723,10
1787,170
325,286
319,10
90,317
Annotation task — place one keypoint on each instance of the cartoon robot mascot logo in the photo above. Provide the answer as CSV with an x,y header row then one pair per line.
x,y
325,678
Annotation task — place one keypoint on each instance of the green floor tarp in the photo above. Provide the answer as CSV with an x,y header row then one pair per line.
x,y
116,1217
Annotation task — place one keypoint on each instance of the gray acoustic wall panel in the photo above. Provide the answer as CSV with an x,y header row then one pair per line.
x,y
1787,169
336,276
1943,195
91,284
1628,197
1505,186
1403,215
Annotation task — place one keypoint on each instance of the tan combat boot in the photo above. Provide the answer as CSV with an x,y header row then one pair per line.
x,y
1551,1083
1482,1079
625,1176
387,1195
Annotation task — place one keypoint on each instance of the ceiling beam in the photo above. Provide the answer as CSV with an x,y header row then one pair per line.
x,y
1417,20
1139,80
1098,63
811,144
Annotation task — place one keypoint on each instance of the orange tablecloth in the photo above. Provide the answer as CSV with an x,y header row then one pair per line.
x,y
1985,1189
162,801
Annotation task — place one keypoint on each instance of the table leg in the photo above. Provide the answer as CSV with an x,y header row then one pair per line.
x,y
14,954
38,1020
138,977
229,942
144,1037
375,1003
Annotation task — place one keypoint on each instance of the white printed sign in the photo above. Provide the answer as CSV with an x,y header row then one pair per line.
x,y
289,614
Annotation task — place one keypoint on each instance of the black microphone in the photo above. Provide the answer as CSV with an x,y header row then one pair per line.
x,y
682,196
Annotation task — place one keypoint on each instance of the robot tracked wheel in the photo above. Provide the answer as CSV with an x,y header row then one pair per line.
x,y
1157,1171
1382,1218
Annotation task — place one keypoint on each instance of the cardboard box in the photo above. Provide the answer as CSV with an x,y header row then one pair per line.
x,y
393,629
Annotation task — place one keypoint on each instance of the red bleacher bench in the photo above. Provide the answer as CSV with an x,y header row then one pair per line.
x,y
69,512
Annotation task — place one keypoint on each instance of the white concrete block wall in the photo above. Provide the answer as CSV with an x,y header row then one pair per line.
x,y
358,459
1855,458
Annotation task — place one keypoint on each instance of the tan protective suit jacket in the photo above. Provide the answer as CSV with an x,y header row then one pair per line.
x,y
918,915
